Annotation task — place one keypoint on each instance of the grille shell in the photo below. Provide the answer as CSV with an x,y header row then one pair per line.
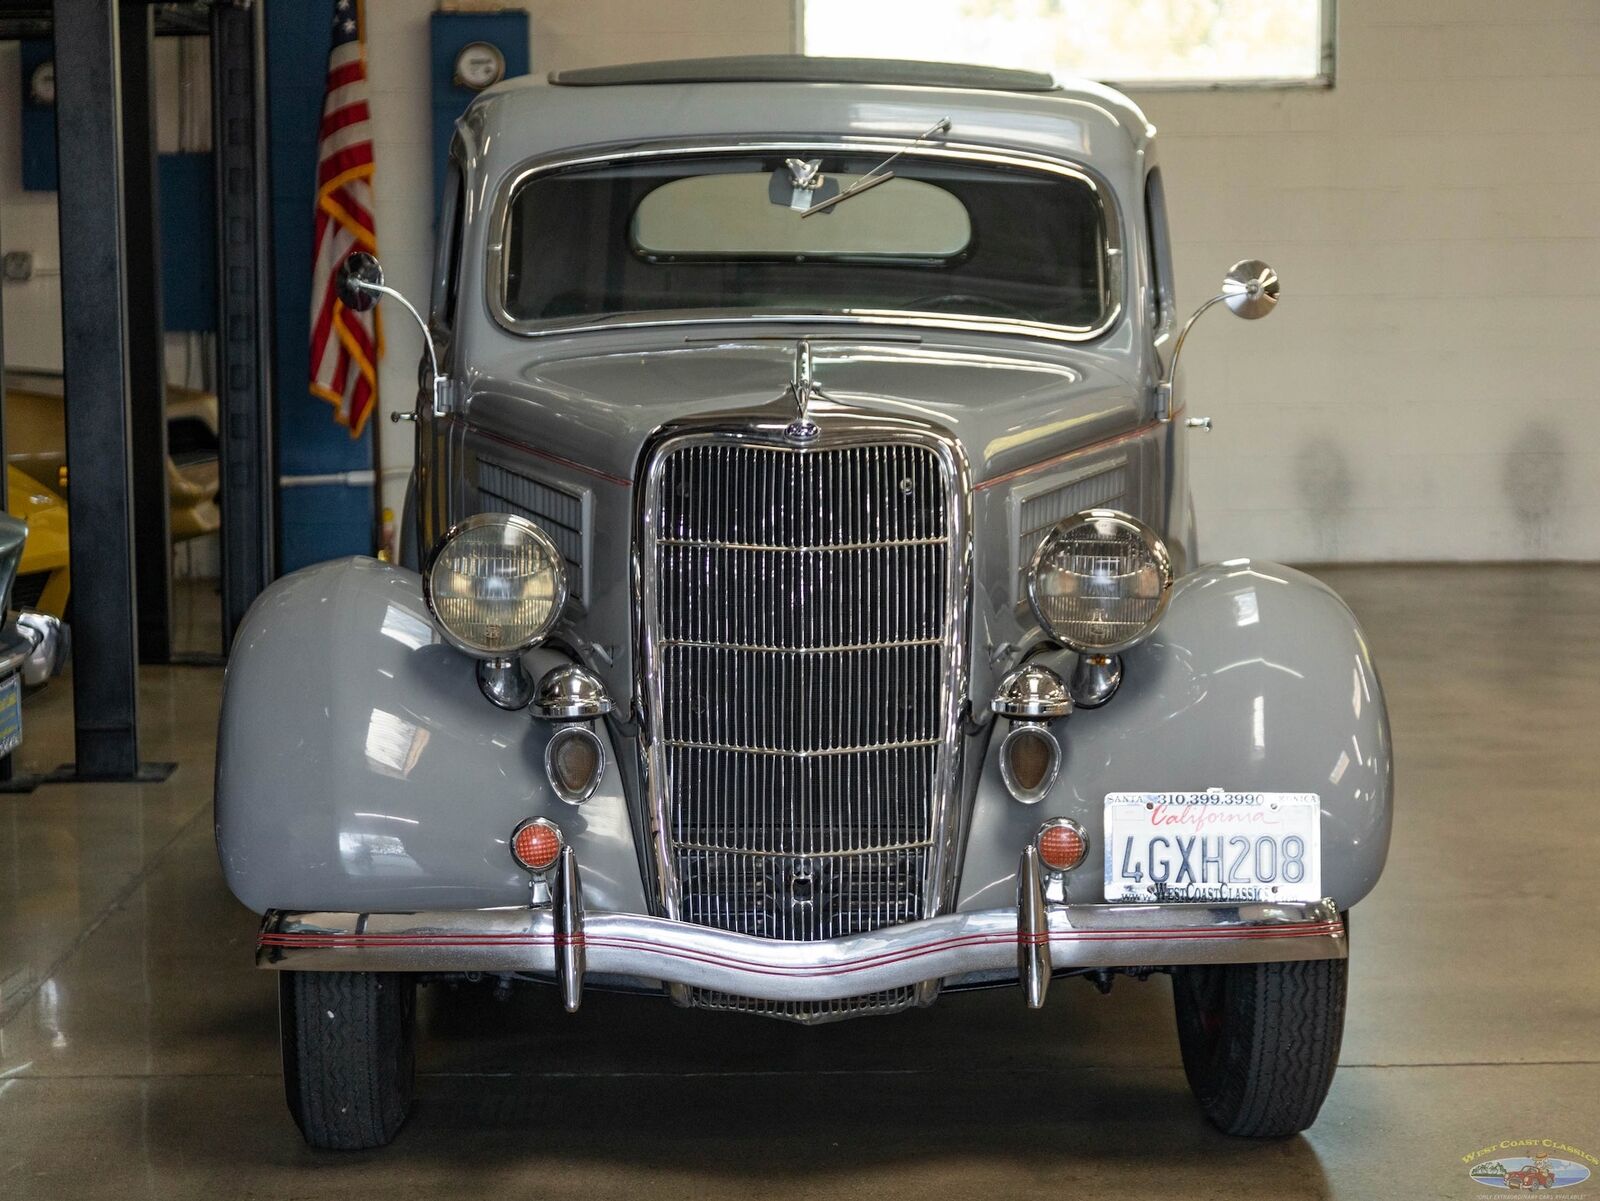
x,y
802,618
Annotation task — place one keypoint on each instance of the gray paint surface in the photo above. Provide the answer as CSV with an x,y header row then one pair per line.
x,y
359,767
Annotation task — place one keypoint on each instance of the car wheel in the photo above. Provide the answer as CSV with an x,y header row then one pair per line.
x,y
1260,1041
348,1041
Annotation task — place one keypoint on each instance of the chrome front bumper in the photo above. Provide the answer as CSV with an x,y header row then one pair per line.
x,y
561,943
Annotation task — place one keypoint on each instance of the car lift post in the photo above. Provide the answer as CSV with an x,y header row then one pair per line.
x,y
146,335
244,309
94,339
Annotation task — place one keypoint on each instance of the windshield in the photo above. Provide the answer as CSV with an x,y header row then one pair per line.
x,y
727,232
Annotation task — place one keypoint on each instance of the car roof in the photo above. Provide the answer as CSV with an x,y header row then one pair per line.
x,y
799,68
781,96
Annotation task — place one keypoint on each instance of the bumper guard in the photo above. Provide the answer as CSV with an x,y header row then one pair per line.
x,y
560,943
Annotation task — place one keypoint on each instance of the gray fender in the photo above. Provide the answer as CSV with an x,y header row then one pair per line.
x,y
1258,679
359,767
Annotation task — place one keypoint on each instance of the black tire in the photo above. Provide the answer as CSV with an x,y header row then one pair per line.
x,y
349,1054
1260,1041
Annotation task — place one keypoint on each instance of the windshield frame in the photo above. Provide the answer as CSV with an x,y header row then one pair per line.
x,y
499,229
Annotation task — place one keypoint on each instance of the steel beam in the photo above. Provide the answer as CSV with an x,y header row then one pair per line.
x,y
244,318
94,336
146,336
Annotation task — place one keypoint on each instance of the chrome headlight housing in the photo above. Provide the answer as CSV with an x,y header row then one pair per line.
x,y
1100,581
495,585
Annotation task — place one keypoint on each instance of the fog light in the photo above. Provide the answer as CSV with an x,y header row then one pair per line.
x,y
536,844
1030,757
574,760
1032,693
1062,845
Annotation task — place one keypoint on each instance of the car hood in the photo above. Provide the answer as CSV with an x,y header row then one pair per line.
x,y
1009,407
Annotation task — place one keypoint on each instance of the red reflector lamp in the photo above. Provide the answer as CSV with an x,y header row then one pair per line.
x,y
536,844
1062,845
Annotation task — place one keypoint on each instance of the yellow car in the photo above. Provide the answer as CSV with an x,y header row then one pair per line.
x,y
36,476
44,578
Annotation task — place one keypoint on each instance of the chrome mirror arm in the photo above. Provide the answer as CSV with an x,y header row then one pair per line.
x,y
359,283
427,336
1250,289
1164,388
437,382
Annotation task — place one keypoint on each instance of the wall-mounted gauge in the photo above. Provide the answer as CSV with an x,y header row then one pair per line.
x,y
42,84
478,65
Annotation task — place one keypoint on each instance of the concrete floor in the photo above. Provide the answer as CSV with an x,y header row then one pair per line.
x,y
138,1054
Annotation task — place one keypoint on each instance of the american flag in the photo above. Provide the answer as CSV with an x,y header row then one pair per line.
x,y
345,345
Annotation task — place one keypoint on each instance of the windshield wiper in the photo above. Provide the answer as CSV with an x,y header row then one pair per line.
x,y
880,173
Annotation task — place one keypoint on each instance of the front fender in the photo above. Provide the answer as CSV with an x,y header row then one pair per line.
x,y
1258,679
360,769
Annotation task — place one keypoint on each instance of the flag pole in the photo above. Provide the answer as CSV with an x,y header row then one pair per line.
x,y
377,404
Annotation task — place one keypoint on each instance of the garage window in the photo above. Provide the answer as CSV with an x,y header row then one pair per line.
x,y
1134,43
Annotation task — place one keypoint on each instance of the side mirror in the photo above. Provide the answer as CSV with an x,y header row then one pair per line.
x,y
359,283
360,278
1250,290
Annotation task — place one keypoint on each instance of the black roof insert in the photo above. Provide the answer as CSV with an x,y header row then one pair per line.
x,y
800,68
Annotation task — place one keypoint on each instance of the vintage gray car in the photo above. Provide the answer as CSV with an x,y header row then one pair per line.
x,y
809,619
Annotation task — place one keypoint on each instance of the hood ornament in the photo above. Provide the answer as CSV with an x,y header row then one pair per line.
x,y
803,387
805,173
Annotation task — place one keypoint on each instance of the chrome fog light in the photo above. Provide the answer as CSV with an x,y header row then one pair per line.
x,y
574,761
570,693
1030,760
1100,581
1032,693
495,585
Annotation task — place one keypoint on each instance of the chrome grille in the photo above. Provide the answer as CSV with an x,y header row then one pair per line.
x,y
800,645
810,1012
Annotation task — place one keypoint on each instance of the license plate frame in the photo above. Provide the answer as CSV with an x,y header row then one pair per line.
x,y
1217,846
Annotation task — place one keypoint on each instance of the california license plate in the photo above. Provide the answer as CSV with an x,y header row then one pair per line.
x,y
1213,846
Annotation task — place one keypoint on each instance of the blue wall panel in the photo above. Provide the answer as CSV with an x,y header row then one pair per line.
x,y
322,522
449,32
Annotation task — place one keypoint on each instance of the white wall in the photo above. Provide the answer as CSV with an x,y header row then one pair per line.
x,y
1427,389
28,219
27,222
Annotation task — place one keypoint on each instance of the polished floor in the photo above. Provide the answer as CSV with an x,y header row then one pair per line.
x,y
138,1055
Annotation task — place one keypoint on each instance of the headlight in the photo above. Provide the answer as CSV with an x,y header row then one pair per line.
x,y
495,584
1100,581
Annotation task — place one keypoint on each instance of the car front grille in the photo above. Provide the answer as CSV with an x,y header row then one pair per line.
x,y
800,646
27,590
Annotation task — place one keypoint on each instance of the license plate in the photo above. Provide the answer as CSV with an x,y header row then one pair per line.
x,y
1213,846
10,714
